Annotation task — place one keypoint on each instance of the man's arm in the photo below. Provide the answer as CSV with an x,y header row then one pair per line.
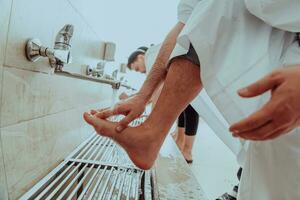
x,y
134,107
159,69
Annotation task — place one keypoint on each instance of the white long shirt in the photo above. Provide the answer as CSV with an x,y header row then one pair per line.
x,y
238,42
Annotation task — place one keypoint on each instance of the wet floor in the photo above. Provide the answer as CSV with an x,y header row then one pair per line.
x,y
214,165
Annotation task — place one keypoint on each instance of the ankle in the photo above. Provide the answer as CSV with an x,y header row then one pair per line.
x,y
187,150
155,127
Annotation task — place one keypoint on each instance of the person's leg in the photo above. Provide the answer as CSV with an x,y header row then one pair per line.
x,y
180,135
143,143
192,120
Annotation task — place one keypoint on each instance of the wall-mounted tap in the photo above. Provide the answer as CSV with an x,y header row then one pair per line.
x,y
97,71
59,55
115,74
63,44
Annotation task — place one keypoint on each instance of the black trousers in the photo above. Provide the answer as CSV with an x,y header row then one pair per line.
x,y
189,120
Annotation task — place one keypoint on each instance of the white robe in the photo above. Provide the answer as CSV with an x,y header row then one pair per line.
x,y
239,42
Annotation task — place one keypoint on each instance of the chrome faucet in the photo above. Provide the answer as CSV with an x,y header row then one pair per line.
x,y
115,74
96,71
59,55
62,47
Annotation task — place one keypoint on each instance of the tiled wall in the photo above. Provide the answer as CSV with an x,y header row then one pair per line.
x,y
41,113
4,20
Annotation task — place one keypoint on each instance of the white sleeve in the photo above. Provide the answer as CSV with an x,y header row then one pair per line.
x,y
282,14
185,9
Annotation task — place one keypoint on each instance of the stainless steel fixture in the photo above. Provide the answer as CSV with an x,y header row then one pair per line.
x,y
97,75
97,169
109,51
97,71
113,83
115,74
123,67
100,169
59,55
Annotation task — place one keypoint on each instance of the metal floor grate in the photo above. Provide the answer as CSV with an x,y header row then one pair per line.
x,y
97,169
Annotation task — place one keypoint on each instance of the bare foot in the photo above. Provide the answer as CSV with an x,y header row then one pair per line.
x,y
188,148
180,143
187,155
180,139
140,143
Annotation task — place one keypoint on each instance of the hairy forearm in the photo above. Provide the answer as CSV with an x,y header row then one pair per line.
x,y
159,69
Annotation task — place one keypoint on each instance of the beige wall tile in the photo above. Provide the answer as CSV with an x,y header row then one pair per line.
x,y
4,21
42,20
33,148
41,113
28,95
3,188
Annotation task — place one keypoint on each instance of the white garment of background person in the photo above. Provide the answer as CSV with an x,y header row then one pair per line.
x,y
137,79
150,56
239,42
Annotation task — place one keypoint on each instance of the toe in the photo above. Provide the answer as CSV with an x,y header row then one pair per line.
x,y
102,127
93,112
90,119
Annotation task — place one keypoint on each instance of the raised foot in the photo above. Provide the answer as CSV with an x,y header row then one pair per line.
x,y
140,143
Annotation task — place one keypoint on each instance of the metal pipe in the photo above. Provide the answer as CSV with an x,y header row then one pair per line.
x,y
92,194
112,187
128,87
86,148
113,83
87,187
100,168
105,184
62,183
42,194
70,197
121,186
130,184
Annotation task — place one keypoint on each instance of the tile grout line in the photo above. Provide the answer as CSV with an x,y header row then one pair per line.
x,y
2,81
51,114
83,18
22,69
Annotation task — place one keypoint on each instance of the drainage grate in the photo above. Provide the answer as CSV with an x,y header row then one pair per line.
x,y
97,169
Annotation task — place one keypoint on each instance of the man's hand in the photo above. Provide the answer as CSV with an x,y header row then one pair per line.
x,y
278,116
132,108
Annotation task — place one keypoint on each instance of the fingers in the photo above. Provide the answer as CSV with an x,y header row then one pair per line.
x,y
259,87
263,133
93,111
125,121
255,120
276,134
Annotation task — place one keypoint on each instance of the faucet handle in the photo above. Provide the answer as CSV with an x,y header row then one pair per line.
x,y
115,74
63,55
63,37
